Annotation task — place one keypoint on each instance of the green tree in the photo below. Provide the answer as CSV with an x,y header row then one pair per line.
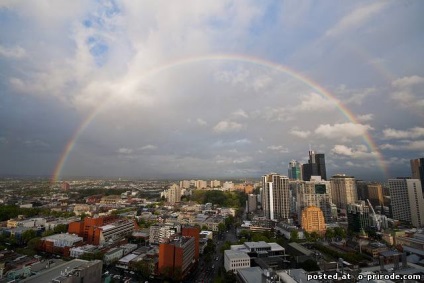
x,y
314,236
221,227
210,247
28,235
294,235
34,244
60,228
329,233
340,232
309,265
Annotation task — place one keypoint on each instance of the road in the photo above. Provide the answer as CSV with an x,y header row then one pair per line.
x,y
206,273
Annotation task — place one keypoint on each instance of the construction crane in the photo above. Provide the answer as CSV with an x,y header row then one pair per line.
x,y
377,218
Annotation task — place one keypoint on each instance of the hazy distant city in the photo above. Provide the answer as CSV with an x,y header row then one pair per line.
x,y
211,141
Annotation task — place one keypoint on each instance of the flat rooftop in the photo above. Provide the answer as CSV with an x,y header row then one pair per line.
x,y
256,245
55,272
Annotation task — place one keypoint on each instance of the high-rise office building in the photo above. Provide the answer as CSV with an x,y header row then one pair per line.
x,y
362,190
407,201
313,220
313,193
252,203
275,196
375,194
343,190
417,168
295,170
314,167
173,194
358,216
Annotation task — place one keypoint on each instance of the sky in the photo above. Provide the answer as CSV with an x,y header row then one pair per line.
x,y
210,89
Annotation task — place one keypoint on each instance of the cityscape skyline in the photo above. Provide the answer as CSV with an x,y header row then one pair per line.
x,y
218,90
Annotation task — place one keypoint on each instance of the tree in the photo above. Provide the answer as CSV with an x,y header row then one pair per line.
x,y
60,228
294,235
245,234
210,247
28,235
229,221
142,268
309,265
34,244
314,236
221,227
339,232
329,233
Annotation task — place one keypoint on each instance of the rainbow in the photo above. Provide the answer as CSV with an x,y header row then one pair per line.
x,y
231,58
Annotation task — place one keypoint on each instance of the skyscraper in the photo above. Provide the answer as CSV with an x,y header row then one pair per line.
x,y
295,170
417,168
275,196
343,190
313,220
313,193
314,167
174,194
407,201
358,216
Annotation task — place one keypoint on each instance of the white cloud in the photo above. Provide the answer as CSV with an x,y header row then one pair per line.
x,y
201,122
148,147
124,150
405,145
36,143
408,81
12,52
315,102
240,113
227,126
279,148
243,159
359,152
356,18
343,130
413,133
408,91
300,133
350,95
365,117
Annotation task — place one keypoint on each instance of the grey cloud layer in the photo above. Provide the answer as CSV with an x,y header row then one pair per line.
x,y
207,117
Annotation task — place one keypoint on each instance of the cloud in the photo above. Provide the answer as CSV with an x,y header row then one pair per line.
x,y
124,150
201,122
244,159
279,148
408,81
359,152
405,145
12,52
408,91
148,147
36,143
227,126
354,96
356,18
315,102
413,133
342,130
300,134
240,113
365,117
